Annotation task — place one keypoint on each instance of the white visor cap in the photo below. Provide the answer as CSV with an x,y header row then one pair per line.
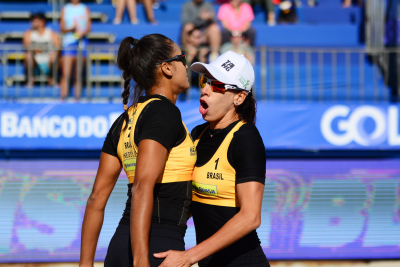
x,y
229,68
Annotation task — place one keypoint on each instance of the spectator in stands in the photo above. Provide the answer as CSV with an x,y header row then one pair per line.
x,y
75,24
268,6
287,13
195,51
148,6
239,45
199,14
236,16
40,41
348,3
119,11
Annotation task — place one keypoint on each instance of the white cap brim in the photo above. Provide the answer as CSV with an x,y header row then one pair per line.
x,y
216,73
229,68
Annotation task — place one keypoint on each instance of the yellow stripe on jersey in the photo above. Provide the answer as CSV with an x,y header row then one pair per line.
x,y
215,182
180,161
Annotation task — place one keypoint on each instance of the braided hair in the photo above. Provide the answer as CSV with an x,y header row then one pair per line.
x,y
137,61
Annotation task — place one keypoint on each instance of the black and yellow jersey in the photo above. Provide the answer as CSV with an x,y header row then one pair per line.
x,y
225,158
156,118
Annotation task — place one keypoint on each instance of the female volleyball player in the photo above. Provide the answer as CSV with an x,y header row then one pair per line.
x,y
229,175
155,149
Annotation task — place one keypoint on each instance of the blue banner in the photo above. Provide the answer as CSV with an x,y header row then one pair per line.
x,y
282,125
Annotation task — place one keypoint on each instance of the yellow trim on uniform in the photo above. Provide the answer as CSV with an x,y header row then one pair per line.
x,y
181,159
215,182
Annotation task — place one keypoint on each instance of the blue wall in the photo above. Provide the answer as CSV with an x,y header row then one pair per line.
x,y
295,126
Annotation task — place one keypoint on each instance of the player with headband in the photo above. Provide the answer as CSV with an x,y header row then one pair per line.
x,y
229,175
151,143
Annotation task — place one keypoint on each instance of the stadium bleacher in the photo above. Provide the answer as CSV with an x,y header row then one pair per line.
x,y
327,25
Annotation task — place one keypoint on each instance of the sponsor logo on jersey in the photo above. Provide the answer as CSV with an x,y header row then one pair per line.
x,y
214,175
193,151
206,189
130,154
129,164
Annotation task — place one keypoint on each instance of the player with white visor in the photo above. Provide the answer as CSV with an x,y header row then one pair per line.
x,y
229,175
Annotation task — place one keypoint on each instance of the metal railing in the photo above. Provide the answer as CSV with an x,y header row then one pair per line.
x,y
312,74
322,74
16,66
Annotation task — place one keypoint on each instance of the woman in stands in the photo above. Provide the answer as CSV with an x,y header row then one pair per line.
x,y
75,23
229,175
151,143
236,16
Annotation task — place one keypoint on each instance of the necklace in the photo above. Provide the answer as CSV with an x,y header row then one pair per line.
x,y
211,135
209,130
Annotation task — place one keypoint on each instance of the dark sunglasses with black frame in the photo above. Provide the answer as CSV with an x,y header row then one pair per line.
x,y
181,58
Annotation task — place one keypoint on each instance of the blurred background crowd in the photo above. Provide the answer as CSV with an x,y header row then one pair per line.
x,y
58,39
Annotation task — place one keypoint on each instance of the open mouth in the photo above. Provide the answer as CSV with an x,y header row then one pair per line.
x,y
203,107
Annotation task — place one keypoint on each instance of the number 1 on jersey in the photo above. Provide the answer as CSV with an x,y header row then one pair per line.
x,y
216,163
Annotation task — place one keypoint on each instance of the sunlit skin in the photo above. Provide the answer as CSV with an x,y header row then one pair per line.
x,y
174,77
131,6
219,110
172,80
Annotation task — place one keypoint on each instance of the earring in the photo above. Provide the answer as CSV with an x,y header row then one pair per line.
x,y
237,103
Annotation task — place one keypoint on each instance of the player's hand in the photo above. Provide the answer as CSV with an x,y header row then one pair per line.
x,y
174,258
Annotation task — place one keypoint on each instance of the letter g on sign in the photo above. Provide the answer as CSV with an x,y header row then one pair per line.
x,y
353,127
326,126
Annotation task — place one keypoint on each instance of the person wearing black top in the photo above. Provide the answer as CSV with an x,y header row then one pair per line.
x,y
151,143
229,175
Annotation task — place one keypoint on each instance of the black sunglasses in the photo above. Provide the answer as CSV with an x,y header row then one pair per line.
x,y
181,58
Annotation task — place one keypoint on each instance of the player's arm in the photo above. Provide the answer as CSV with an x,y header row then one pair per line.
x,y
107,175
149,167
250,196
